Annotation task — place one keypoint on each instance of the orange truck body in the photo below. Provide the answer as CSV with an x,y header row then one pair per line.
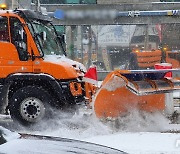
x,y
148,59
36,66
61,78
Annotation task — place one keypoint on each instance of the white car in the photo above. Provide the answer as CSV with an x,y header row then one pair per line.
x,y
15,143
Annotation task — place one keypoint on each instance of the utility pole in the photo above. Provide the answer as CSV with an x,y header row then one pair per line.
x,y
82,51
146,41
37,5
12,5
89,46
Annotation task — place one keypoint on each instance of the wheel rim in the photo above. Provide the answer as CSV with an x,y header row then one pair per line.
x,y
32,109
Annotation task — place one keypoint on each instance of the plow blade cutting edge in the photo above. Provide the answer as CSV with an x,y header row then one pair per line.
x,y
151,82
125,89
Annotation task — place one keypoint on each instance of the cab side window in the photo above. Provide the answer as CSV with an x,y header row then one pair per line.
x,y
4,35
19,38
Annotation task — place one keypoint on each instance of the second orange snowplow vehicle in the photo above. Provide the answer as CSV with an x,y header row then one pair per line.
x,y
35,74
147,59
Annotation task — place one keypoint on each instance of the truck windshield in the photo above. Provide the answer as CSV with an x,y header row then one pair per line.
x,y
46,38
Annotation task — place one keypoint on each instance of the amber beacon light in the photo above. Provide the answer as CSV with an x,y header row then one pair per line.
x,y
3,6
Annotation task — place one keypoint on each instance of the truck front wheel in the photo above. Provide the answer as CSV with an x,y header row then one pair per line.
x,y
30,105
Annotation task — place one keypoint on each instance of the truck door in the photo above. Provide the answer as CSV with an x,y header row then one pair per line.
x,y
19,39
13,47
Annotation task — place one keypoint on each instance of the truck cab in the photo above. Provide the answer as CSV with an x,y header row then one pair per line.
x,y
34,70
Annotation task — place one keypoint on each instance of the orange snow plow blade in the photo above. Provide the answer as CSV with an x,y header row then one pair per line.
x,y
125,89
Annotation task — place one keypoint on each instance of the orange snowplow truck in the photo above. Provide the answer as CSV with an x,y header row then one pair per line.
x,y
34,71
35,74
148,59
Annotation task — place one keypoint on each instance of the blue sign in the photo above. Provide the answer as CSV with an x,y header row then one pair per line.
x,y
110,14
59,14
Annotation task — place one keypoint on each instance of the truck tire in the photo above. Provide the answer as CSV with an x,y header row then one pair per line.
x,y
30,105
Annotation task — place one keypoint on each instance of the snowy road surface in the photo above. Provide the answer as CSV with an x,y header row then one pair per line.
x,y
141,142
138,133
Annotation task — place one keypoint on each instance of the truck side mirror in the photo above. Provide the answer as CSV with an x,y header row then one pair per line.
x,y
62,40
43,36
61,37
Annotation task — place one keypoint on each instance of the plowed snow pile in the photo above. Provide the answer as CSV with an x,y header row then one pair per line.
x,y
82,126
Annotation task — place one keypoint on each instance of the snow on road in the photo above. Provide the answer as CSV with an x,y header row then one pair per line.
x,y
137,133
141,142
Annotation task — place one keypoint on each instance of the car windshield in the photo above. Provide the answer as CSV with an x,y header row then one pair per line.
x,y
46,38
